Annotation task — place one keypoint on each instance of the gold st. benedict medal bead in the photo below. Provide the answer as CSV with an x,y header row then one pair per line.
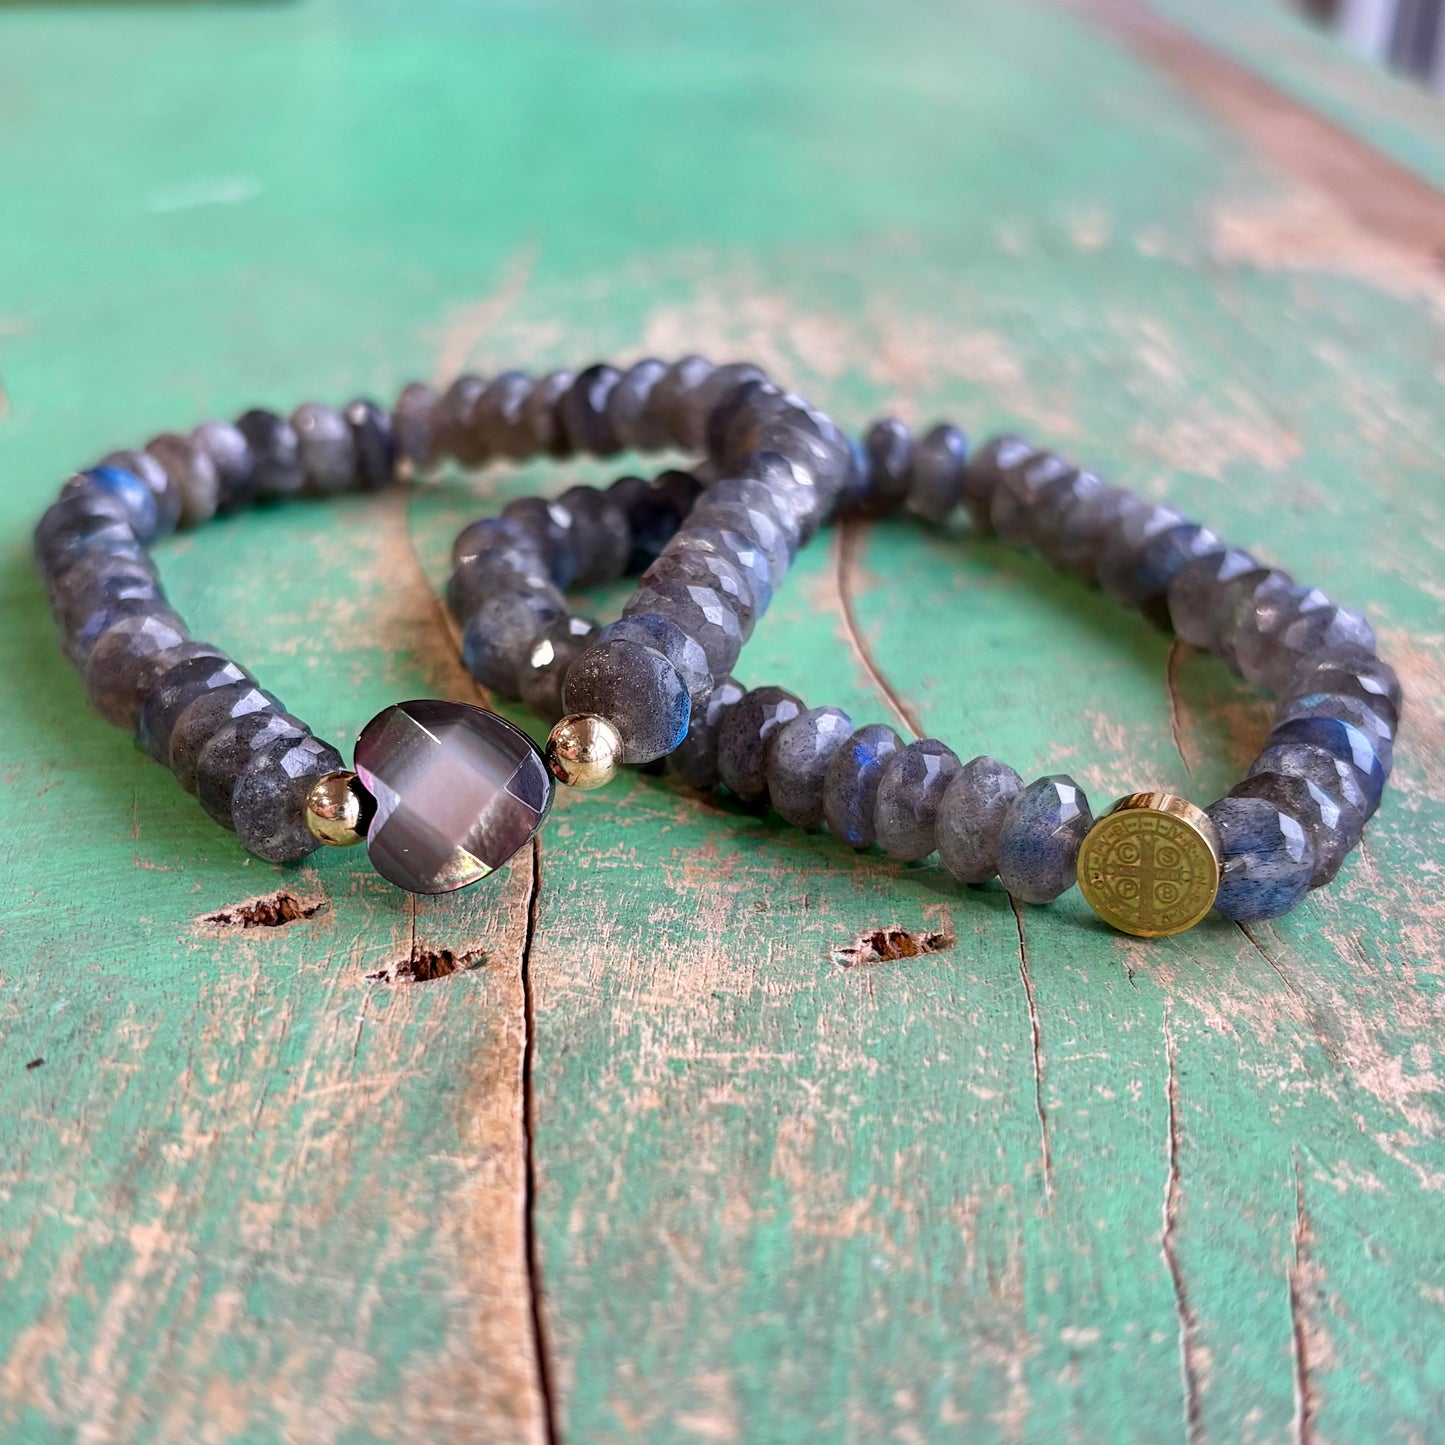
x,y
584,751
337,809
1151,865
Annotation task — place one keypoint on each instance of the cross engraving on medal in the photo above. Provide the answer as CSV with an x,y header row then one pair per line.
x,y
1150,871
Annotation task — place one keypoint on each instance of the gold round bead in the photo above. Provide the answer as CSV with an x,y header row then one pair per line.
x,y
336,809
1151,865
584,751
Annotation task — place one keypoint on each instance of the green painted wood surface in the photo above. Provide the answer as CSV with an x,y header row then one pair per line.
x,y
652,1164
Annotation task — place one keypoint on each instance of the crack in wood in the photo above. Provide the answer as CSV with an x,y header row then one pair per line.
x,y
1177,653
540,1346
1045,1144
1304,1398
1173,1190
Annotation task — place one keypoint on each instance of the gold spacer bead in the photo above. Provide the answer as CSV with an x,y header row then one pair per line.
x,y
584,751
337,809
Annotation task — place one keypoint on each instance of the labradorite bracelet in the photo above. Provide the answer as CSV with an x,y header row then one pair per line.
x,y
443,793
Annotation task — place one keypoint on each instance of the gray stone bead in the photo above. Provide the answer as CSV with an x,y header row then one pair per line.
x,y
96,593
1270,661
733,426
1333,775
1038,846
747,557
909,793
1195,592
490,573
452,420
496,421
705,567
652,520
328,449
702,612
126,659
558,647
1246,604
1268,858
713,391
971,816
90,627
1124,545
888,446
541,421
850,786
797,763
413,426
1253,644
499,636
1370,754
550,527
1090,525
628,413
192,473
583,411
758,526
155,476
1372,718
679,647
268,802
204,716
984,470
490,533
667,413
694,760
1017,494
747,729
83,526
231,459
136,499
375,444
1144,582
1351,672
275,453
637,690
1053,506
812,444
1333,829
229,750
600,535
174,691
681,488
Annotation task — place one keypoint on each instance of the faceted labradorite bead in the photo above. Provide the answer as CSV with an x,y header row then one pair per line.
x,y
682,488
747,557
458,791
600,535
742,753
1038,846
1327,772
909,792
1333,829
1195,591
733,426
127,658
1253,604
228,751
797,763
683,651
413,428
796,499
154,475
495,422
82,525
1271,660
275,453
701,567
87,628
204,716
702,612
137,499
1019,488
1146,581
453,417
583,411
694,760
637,689
1090,525
758,526
497,570
230,456
540,422
268,802
984,470
1372,719
490,533
550,527
499,636
86,594
1054,504
716,390
627,409
192,473
850,786
666,411
1348,672
888,447
327,447
554,651
1370,757
1268,858
935,476
375,444
971,816
652,520
1123,550
174,691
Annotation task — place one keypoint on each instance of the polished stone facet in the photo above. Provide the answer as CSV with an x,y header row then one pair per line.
x,y
909,793
458,791
970,818
1038,846
798,759
850,787
1269,858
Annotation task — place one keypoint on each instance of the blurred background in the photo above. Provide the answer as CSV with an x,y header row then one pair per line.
x,y
1406,34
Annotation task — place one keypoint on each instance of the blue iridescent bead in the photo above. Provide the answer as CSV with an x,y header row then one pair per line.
x,y
850,786
132,493
905,813
1038,845
1268,858
637,689
1370,757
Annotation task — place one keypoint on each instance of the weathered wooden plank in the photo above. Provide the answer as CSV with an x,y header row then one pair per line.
x,y
1047,1184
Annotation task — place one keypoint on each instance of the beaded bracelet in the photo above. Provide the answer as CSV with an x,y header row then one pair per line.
x,y
444,793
